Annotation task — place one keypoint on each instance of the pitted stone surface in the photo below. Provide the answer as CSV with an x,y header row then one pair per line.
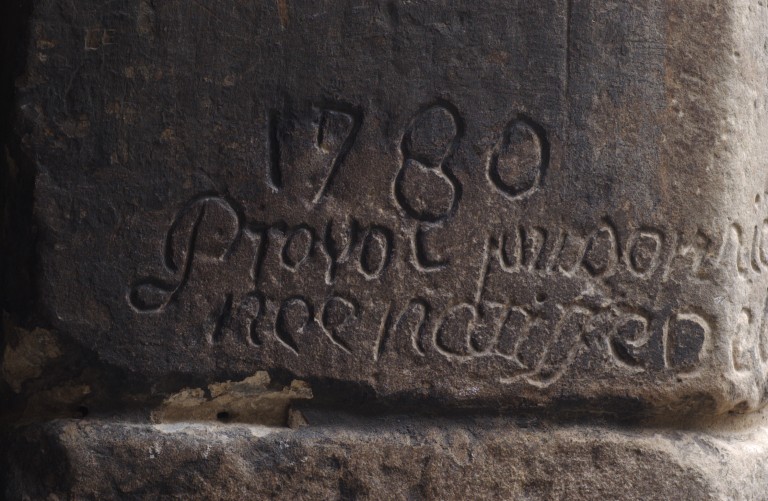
x,y
393,458
499,202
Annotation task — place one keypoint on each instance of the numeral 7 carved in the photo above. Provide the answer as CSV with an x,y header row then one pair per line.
x,y
337,127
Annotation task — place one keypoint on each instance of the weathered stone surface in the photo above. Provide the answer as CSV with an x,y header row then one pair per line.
x,y
387,458
518,202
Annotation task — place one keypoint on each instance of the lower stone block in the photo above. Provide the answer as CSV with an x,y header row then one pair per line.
x,y
342,457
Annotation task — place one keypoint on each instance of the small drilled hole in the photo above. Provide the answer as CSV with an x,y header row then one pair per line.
x,y
541,297
223,416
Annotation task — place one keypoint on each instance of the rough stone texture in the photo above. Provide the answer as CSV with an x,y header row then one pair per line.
x,y
212,210
518,202
383,458
248,401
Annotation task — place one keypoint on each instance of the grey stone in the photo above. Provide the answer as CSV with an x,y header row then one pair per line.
x,y
518,203
224,222
398,457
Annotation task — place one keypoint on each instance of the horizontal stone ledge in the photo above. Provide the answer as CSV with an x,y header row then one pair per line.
x,y
341,457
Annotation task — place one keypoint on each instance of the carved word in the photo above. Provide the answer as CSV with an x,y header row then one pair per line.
x,y
534,347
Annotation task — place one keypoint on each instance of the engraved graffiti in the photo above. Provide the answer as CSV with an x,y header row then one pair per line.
x,y
519,160
509,319
685,338
334,126
537,345
424,187
206,228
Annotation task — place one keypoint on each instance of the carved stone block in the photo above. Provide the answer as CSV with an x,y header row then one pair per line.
x,y
515,203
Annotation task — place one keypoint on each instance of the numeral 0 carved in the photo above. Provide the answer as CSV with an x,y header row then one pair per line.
x,y
519,160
